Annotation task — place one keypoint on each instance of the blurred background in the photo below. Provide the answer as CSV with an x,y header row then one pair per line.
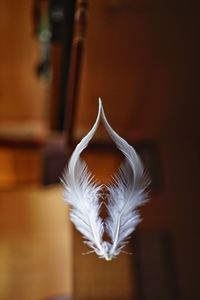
x,y
56,58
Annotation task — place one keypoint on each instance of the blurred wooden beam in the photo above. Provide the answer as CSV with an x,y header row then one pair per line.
x,y
75,67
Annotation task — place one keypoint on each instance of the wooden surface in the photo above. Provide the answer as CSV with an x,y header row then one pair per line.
x,y
22,94
20,167
143,61
141,57
36,235
40,253
36,245
77,51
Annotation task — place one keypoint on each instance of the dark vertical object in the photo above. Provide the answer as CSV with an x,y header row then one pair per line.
x,y
154,266
75,66
55,152
61,16
137,266
170,266
66,57
35,16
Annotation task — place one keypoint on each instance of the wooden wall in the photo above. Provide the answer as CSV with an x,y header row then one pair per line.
x,y
35,238
142,58
35,244
22,95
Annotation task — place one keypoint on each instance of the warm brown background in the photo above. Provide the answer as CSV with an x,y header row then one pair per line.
x,y
142,58
23,107
35,240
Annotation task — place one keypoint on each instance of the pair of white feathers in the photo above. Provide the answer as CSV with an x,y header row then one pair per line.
x,y
124,195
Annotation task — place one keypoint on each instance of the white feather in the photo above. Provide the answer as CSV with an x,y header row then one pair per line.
x,y
125,195
83,196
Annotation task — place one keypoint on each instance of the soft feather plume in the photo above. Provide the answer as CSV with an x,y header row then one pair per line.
x,y
124,195
83,196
